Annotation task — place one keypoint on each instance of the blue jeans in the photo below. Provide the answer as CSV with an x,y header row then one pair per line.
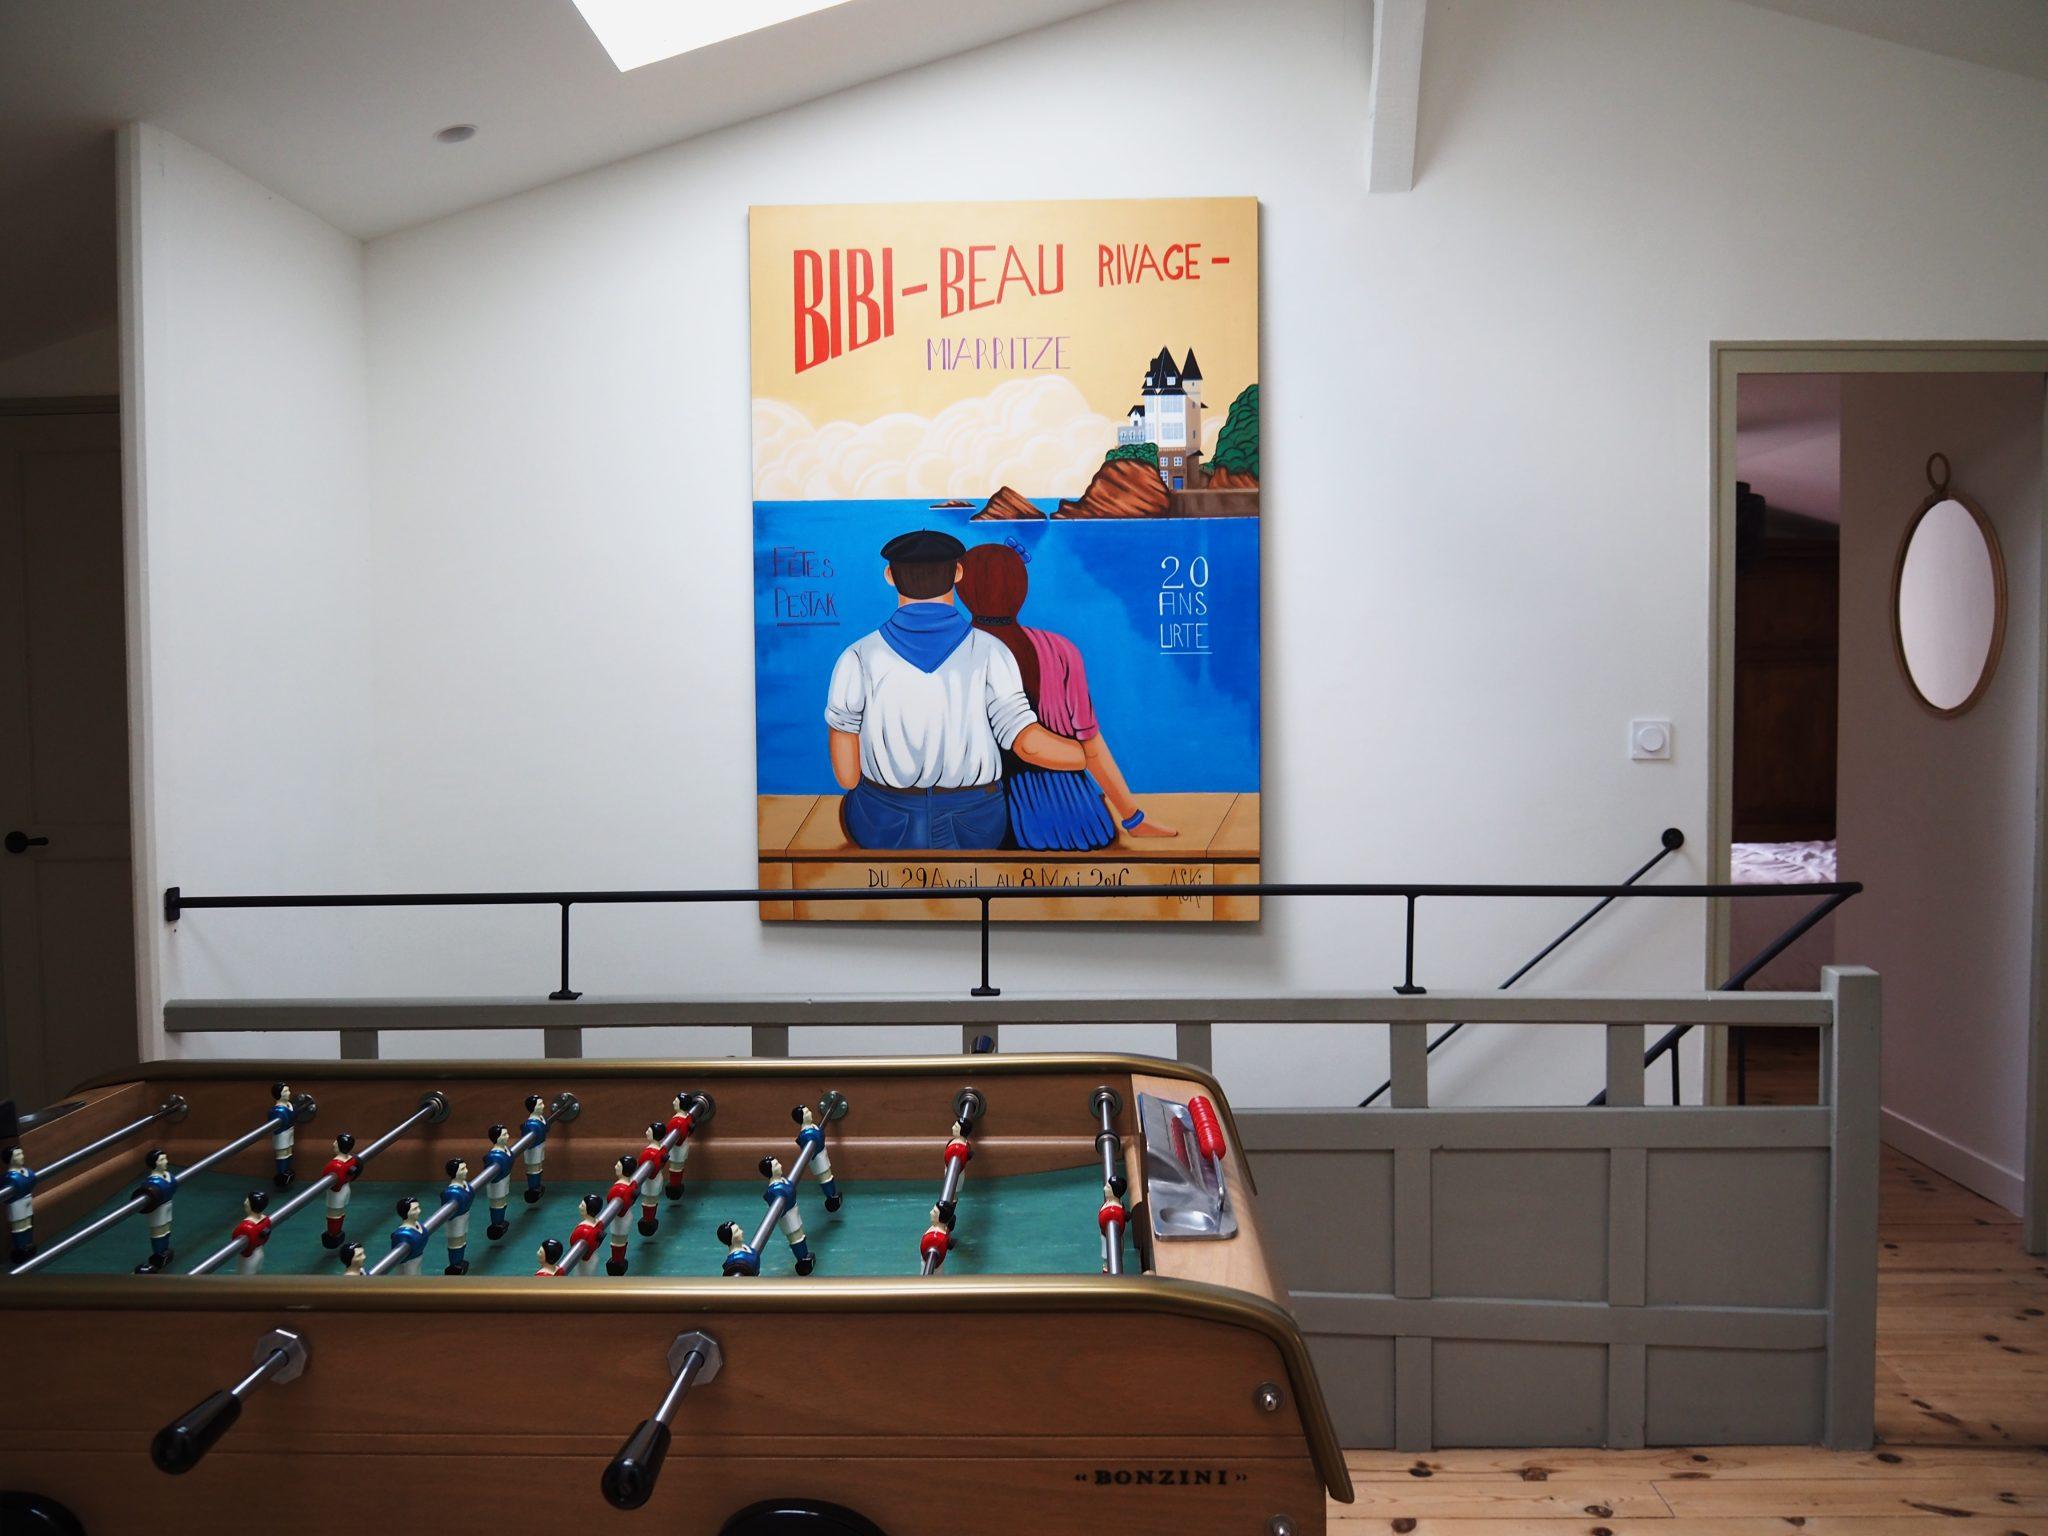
x,y
879,817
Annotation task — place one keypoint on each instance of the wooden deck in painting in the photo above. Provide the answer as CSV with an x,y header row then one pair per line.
x,y
804,847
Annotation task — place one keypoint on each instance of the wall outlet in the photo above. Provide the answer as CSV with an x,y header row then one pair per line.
x,y
1649,741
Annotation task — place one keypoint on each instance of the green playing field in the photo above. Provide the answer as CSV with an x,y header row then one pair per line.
x,y
1031,1224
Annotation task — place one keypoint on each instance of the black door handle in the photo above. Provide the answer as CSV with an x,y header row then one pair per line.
x,y
19,841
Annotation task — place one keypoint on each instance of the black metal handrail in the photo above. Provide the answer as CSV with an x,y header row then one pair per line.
x,y
1667,1044
177,904
1671,841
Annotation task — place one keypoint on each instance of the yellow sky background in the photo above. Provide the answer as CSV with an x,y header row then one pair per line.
x,y
1113,332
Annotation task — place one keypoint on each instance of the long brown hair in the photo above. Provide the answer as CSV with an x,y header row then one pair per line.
x,y
993,585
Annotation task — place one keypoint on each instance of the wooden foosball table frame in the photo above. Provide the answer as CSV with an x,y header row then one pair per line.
x,y
1178,1398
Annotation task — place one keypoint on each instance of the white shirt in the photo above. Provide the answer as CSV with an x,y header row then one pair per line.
x,y
929,730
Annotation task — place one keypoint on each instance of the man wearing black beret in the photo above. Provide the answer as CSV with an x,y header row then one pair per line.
x,y
920,712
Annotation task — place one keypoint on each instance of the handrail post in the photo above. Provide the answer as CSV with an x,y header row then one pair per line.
x,y
1408,987
985,990
1849,1078
563,994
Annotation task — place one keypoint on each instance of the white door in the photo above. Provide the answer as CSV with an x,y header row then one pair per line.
x,y
67,953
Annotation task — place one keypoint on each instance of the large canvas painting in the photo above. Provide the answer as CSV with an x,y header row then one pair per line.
x,y
1006,557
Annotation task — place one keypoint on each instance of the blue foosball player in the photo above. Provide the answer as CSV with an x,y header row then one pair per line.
x,y
780,1189
159,1184
498,1179
284,1121
536,1126
411,1235
462,1194
19,1189
810,1133
741,1260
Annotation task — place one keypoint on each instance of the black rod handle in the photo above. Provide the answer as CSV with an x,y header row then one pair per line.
x,y
180,1444
629,1480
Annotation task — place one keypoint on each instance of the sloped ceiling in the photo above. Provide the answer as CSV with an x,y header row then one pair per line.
x,y
335,105
2011,35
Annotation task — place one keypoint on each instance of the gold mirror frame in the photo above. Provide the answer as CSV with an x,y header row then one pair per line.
x,y
1943,491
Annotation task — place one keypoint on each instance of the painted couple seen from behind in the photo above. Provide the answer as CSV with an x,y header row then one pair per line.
x,y
964,728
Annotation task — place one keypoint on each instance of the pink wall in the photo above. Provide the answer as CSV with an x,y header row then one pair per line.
x,y
1937,816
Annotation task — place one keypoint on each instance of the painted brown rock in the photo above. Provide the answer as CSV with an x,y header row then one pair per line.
x,y
1230,480
1121,488
1006,506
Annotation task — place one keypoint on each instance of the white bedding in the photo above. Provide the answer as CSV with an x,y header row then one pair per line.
x,y
1810,863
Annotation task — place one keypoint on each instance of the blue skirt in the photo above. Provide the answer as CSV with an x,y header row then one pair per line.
x,y
1055,809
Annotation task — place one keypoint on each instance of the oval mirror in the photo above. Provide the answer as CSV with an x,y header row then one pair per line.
x,y
1948,602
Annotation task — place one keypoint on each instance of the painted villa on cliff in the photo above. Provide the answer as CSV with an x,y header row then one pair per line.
x,y
1169,416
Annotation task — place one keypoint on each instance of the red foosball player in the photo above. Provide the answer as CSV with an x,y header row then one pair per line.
x,y
550,1255
679,1155
344,1168
935,1244
650,1187
252,1232
621,1193
588,1234
1112,1212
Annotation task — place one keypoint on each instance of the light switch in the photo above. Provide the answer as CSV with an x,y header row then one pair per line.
x,y
1649,741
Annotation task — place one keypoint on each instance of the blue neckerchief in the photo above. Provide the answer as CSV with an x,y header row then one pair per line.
x,y
925,634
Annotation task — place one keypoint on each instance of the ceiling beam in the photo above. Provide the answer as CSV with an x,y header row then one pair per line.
x,y
1396,94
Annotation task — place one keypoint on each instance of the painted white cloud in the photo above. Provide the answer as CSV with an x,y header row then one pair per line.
x,y
1038,436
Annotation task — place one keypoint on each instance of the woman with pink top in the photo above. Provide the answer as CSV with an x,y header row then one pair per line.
x,y
1051,808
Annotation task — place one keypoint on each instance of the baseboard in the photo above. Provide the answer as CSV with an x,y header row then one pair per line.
x,y
1970,1169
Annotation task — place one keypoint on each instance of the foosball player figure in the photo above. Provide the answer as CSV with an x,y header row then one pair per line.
x,y
682,1122
550,1255
410,1235
18,1188
809,1131
344,1168
589,1234
498,1179
740,1258
958,1150
780,1188
252,1232
158,1185
623,1190
283,1120
1112,1211
462,1194
650,1188
936,1242
536,1126
351,1256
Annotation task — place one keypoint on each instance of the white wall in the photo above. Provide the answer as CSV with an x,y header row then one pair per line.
x,y
1936,815
1487,471
248,427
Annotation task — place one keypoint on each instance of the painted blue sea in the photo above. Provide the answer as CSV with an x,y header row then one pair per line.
x,y
1165,611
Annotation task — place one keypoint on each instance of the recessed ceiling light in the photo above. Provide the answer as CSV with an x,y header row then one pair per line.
x,y
637,32
457,133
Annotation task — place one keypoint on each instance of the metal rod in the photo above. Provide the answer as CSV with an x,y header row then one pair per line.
x,y
271,1362
447,1207
693,1362
1408,987
615,1207
1672,841
435,1108
985,990
114,1217
564,993
1004,893
173,1107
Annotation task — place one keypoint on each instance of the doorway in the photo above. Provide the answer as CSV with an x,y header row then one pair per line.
x,y
67,926
1830,757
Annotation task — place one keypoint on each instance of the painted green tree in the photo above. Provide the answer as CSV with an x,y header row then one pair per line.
x,y
1145,453
1237,446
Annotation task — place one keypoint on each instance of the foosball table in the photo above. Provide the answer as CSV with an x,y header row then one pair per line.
x,y
895,1297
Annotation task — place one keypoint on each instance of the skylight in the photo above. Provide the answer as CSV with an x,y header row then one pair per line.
x,y
637,32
